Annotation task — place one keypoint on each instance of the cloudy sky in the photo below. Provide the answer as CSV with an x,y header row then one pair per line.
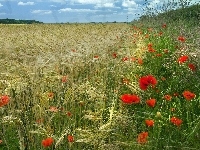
x,y
52,11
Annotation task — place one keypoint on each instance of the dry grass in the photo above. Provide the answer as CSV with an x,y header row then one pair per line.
x,y
33,46
33,60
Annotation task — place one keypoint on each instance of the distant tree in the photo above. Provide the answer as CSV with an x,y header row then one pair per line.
x,y
13,21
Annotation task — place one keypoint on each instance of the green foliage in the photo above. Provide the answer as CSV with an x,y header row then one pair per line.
x,y
13,21
63,90
186,14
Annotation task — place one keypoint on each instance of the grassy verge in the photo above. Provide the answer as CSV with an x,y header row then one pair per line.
x,y
141,92
172,57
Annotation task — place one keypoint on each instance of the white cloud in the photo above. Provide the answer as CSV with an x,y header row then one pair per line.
x,y
108,5
98,3
129,3
47,12
41,12
1,5
88,1
132,11
76,10
52,6
25,3
94,1
154,3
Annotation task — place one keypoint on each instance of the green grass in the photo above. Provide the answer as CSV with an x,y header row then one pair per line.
x,y
92,93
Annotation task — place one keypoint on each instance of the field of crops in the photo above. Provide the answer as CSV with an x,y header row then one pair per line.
x,y
52,71
101,86
31,46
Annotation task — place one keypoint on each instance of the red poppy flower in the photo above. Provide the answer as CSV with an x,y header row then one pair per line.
x,y
160,33
130,99
132,59
192,66
145,81
168,97
140,61
142,137
182,59
64,79
176,121
181,38
4,100
70,138
69,114
114,55
53,109
149,123
188,95
150,49
125,59
50,94
96,56
152,79
164,26
150,45
47,142
151,102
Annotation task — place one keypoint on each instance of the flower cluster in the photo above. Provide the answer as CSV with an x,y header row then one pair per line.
x,y
167,97
151,102
146,81
149,123
176,121
4,100
192,66
150,48
130,99
170,64
47,142
70,138
188,95
181,38
183,59
142,137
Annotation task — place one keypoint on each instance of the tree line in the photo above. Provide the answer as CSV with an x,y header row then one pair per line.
x,y
13,21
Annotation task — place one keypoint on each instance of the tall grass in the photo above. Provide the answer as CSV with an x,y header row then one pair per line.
x,y
96,89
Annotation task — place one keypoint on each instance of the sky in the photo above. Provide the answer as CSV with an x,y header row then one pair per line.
x,y
81,11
